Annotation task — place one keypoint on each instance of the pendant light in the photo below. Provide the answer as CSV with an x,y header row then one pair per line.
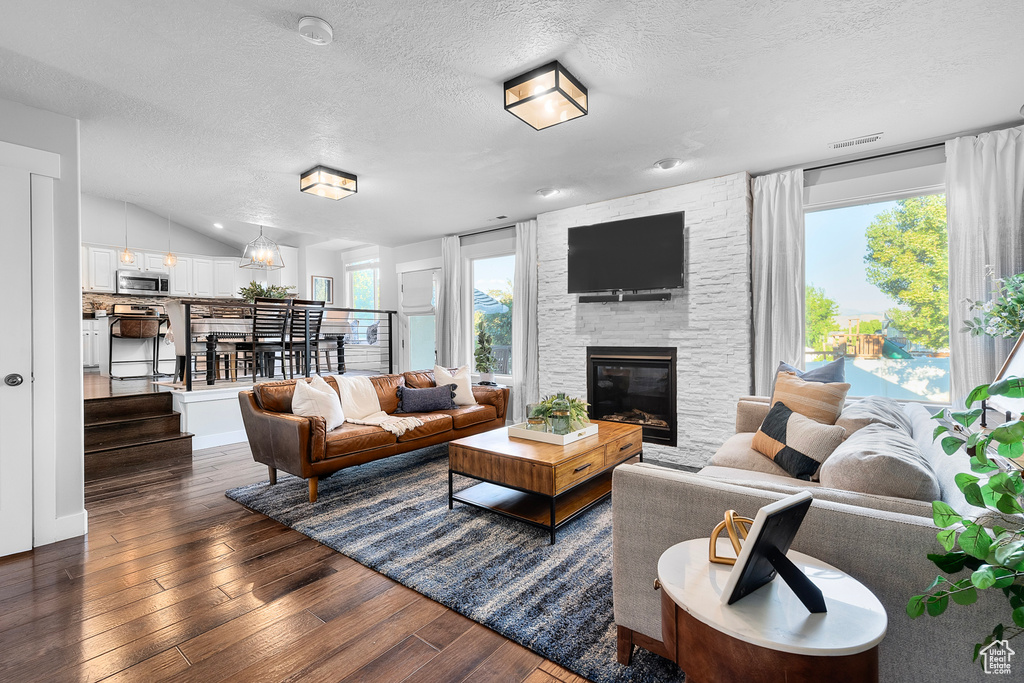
x,y
170,259
262,254
127,256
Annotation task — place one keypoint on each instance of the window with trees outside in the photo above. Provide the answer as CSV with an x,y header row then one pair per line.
x,y
364,287
492,312
877,292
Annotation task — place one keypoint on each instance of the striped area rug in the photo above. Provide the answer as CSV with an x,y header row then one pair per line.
x,y
392,516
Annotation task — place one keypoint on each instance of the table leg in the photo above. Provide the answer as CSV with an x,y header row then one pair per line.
x,y
211,358
451,499
341,354
641,455
552,520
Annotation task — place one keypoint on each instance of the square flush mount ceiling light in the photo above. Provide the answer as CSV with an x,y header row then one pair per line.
x,y
546,96
328,182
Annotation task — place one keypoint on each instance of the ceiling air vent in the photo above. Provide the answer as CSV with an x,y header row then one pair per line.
x,y
856,142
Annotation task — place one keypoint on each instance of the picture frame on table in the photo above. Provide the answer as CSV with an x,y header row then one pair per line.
x,y
322,289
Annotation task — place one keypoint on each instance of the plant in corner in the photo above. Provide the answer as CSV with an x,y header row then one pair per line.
x,y
255,289
484,354
1002,316
993,554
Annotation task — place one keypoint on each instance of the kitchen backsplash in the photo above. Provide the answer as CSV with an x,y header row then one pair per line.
x,y
92,301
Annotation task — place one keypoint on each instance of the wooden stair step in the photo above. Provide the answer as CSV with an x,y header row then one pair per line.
x,y
112,407
133,455
123,441
139,426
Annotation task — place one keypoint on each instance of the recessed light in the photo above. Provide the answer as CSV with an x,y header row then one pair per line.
x,y
316,30
668,164
218,226
548,192
500,218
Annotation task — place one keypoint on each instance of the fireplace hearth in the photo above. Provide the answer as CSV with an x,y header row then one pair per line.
x,y
635,384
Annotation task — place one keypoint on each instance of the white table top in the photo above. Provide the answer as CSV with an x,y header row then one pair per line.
x,y
204,326
772,616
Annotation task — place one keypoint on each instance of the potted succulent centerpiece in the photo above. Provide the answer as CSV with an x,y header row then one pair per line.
x,y
254,289
993,553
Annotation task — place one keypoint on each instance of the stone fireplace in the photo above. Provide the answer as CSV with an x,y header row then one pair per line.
x,y
635,385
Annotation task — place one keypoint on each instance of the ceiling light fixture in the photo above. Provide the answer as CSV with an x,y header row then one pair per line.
x,y
262,254
127,256
328,182
546,96
316,30
218,226
548,192
170,259
668,164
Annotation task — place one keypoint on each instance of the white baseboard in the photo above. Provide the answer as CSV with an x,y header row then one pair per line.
x,y
214,440
68,526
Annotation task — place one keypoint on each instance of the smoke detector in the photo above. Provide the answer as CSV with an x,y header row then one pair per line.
x,y
856,142
547,192
316,30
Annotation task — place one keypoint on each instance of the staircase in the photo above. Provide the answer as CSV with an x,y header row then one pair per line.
x,y
132,432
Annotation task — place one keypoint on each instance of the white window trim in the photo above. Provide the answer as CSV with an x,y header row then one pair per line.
x,y
506,246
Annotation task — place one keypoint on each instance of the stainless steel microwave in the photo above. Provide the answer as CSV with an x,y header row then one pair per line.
x,y
143,284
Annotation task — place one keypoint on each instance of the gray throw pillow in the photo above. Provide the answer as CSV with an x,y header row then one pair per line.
x,y
426,400
874,410
883,461
371,333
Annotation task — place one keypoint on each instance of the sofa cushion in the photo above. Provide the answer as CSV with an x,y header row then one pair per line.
x,y
731,473
467,416
353,438
883,461
874,410
425,400
275,397
817,400
433,423
387,391
420,379
796,443
737,452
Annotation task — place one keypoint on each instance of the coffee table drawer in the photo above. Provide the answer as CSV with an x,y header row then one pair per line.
x,y
579,468
622,448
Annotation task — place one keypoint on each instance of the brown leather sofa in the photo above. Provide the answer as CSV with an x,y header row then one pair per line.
x,y
303,447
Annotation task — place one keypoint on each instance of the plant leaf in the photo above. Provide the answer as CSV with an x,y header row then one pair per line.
x,y
1004,577
951,444
1018,616
937,604
1011,387
981,466
1008,504
967,417
972,492
1010,554
950,563
978,393
941,429
975,540
965,597
1010,484
1011,450
915,607
962,479
984,577
1008,432
944,515
947,537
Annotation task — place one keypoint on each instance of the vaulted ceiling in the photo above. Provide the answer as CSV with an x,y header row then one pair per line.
x,y
211,109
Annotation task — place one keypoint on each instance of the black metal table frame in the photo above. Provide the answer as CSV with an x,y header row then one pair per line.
x,y
551,527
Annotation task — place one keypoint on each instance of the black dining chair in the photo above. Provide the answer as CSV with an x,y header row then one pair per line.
x,y
307,316
269,334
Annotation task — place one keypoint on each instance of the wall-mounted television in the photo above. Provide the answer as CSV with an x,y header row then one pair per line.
x,y
638,253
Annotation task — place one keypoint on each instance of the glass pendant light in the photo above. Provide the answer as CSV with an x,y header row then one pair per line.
x,y
170,259
127,256
262,254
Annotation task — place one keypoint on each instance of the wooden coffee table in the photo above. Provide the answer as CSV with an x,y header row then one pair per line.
x,y
541,484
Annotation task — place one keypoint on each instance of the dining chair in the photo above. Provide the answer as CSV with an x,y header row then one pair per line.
x,y
178,330
305,312
269,334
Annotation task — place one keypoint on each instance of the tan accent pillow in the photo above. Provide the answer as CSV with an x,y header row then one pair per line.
x,y
796,443
460,378
884,461
819,401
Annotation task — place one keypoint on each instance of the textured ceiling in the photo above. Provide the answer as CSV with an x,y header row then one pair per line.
x,y
211,109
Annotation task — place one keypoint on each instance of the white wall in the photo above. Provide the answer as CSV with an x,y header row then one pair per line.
x,y
57,366
317,261
103,223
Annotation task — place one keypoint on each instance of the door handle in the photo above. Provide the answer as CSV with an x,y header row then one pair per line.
x,y
626,446
13,380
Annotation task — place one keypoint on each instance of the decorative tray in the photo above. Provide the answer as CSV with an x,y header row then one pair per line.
x,y
520,431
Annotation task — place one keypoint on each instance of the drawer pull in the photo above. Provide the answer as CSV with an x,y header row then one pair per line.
x,y
581,468
626,446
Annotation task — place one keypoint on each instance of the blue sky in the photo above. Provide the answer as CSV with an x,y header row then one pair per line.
x,y
835,257
493,273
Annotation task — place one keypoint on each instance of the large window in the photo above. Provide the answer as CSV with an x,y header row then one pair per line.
x,y
877,292
492,308
364,287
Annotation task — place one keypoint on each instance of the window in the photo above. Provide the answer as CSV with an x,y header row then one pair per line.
x,y
492,309
877,292
364,287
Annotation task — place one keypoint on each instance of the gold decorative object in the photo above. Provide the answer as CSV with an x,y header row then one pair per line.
x,y
737,527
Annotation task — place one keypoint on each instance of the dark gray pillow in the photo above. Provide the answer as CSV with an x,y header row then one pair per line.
x,y
426,400
827,374
371,333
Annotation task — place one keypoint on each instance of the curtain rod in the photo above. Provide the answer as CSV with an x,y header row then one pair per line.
x,y
484,232
876,156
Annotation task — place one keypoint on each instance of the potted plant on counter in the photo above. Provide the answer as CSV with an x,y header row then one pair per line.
x,y
254,289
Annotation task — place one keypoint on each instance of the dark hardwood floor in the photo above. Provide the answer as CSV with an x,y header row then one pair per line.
x,y
177,582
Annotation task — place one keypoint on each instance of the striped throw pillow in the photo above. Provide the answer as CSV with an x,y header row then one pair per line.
x,y
819,401
796,443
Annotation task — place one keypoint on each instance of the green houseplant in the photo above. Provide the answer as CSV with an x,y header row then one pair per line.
x,y
578,415
993,554
484,355
1002,316
254,289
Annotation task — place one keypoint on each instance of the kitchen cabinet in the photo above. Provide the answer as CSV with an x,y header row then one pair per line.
x,y
153,263
92,343
202,277
224,276
102,269
181,277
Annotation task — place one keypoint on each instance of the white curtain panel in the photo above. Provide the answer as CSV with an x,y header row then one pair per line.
x,y
449,305
525,345
778,274
985,219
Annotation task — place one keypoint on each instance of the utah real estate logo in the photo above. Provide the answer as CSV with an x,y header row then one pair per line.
x,y
996,657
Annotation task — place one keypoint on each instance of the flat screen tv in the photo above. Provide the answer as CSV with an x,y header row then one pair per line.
x,y
638,253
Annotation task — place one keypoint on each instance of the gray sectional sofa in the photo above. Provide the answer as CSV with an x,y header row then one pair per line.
x,y
880,540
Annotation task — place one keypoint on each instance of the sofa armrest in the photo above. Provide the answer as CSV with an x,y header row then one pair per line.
x,y
750,413
282,440
495,396
653,508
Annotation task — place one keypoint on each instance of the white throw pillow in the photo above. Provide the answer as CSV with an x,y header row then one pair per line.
x,y
310,401
463,388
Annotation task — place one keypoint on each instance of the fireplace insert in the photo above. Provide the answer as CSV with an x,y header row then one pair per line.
x,y
636,385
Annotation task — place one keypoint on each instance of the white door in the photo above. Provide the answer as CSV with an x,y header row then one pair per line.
x,y
224,277
102,269
181,277
418,320
16,366
202,277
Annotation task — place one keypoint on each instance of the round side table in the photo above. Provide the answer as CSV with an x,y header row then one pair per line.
x,y
768,636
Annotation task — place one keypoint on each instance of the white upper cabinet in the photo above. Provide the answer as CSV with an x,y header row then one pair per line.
x,y
224,276
181,277
202,277
102,269
153,262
